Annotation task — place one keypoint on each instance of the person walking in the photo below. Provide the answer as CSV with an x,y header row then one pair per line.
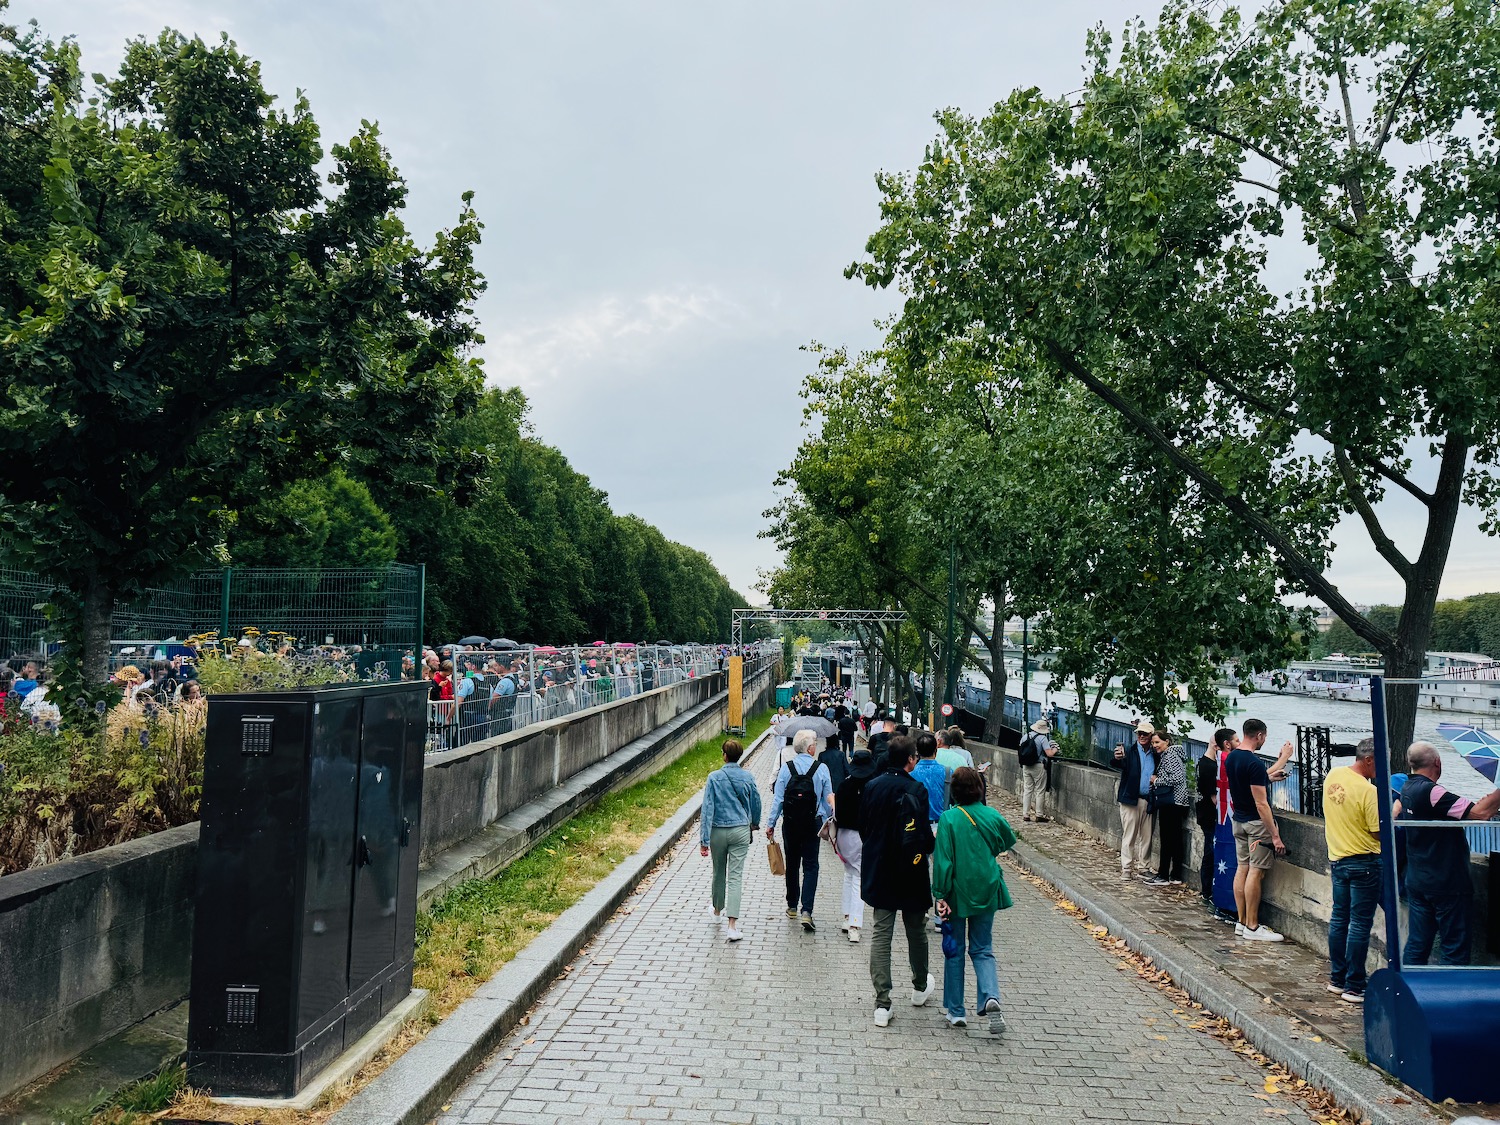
x,y
1170,784
835,760
1136,767
731,814
969,888
803,791
1257,842
1036,748
847,801
1439,888
1351,824
897,840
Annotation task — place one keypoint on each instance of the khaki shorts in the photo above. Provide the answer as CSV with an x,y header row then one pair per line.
x,y
1252,844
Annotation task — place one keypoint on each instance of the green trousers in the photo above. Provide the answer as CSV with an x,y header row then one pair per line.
x,y
728,847
915,922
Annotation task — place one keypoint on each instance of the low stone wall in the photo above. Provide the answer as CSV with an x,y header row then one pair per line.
x,y
1297,896
91,945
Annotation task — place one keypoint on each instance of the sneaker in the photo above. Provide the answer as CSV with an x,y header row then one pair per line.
x,y
1043,819
956,1021
844,926
1227,918
1145,876
1027,819
853,935
1353,997
882,1017
1336,989
791,912
1156,881
1239,929
733,933
997,1021
937,924
1262,933
1174,883
919,996
807,923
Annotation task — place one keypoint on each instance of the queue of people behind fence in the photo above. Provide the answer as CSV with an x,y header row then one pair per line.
x,y
916,840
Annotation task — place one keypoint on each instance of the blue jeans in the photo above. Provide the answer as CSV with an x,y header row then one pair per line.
x,y
801,851
1356,893
1437,916
980,933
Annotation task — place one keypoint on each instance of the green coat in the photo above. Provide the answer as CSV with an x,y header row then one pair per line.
x,y
964,871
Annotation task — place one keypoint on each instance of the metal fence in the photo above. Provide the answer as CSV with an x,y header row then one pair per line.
x,y
375,608
500,691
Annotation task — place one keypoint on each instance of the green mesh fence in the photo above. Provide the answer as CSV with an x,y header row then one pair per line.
x,y
376,608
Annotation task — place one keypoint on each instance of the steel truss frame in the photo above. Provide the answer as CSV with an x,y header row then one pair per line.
x,y
837,616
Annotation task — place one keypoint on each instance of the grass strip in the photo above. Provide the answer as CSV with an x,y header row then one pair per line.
x,y
480,925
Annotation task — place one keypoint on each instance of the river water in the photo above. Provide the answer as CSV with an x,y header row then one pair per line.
x,y
1348,722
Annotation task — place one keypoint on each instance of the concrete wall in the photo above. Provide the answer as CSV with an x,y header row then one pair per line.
x,y
92,945
1297,896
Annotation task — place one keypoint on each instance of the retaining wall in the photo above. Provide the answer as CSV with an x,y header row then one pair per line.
x,y
91,945
1297,896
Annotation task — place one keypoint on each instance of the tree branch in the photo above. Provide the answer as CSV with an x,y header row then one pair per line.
x,y
1383,542
1296,563
1251,146
1390,113
1266,406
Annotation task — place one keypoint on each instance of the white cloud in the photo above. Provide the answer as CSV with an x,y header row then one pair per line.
x,y
610,331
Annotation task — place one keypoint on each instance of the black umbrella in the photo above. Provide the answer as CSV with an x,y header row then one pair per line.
x,y
472,642
665,644
503,643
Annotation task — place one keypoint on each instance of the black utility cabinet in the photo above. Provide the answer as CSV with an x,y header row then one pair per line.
x,y
307,880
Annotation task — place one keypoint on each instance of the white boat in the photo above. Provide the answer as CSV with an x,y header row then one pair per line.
x,y
1465,682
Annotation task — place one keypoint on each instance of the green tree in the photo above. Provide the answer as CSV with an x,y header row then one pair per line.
x,y
188,320
1121,236
328,521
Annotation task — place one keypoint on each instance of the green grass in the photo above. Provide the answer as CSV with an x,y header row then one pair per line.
x,y
478,926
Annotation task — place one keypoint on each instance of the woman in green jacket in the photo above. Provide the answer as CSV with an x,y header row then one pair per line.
x,y
969,887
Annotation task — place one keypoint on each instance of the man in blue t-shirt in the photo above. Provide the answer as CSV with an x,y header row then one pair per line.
x,y
1439,888
26,682
1257,842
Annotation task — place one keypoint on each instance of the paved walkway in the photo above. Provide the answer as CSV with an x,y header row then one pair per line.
x,y
662,1020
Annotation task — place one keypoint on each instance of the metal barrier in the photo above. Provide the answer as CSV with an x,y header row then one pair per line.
x,y
500,691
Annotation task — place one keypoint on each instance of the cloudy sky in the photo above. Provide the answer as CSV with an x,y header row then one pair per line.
x,y
670,193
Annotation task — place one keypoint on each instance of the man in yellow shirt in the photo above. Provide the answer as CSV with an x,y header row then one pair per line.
x,y
1352,820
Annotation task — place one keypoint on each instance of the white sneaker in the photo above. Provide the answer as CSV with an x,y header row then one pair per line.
x,y
732,933
997,1020
1262,933
1239,929
853,935
882,1017
956,1021
919,996
844,926
1336,989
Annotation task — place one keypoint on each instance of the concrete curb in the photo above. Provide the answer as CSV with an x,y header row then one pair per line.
x,y
411,1091
1358,1087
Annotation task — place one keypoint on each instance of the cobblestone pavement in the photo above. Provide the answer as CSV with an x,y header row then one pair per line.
x,y
662,1020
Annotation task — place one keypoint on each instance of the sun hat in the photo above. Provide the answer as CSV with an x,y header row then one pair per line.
x,y
1042,726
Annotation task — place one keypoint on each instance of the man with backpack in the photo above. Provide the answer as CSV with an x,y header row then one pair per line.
x,y
1036,748
803,795
897,840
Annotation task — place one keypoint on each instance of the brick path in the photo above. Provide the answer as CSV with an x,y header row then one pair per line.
x,y
661,1020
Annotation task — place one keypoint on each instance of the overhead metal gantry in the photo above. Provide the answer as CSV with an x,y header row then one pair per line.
x,y
836,616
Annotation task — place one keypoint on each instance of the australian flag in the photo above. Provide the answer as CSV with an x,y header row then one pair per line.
x,y
1224,858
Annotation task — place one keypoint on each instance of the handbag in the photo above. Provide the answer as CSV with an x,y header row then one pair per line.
x,y
1161,794
777,860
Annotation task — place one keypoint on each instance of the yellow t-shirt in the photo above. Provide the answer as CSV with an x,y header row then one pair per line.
x,y
1349,811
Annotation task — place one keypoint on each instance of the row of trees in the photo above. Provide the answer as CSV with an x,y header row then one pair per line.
x,y
1469,624
1100,263
198,324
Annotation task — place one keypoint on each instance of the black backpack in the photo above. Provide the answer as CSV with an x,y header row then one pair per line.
x,y
1030,753
850,797
799,800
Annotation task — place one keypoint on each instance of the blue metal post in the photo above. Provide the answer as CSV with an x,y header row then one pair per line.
x,y
1388,891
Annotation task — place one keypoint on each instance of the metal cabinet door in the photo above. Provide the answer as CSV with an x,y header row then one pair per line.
x,y
377,855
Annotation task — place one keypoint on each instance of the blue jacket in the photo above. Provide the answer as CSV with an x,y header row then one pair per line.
x,y
930,772
730,798
1130,774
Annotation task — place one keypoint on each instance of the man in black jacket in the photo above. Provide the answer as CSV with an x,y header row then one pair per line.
x,y
1136,764
896,839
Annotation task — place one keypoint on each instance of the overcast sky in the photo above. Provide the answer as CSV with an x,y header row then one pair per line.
x,y
671,192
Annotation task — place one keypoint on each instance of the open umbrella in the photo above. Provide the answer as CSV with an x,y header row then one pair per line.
x,y
472,642
546,650
624,644
600,644
1479,747
503,643
815,723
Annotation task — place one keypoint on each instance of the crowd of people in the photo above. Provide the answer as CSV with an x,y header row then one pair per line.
x,y
905,814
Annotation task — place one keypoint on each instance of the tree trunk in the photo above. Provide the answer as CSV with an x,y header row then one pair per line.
x,y
1085,716
994,717
98,613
